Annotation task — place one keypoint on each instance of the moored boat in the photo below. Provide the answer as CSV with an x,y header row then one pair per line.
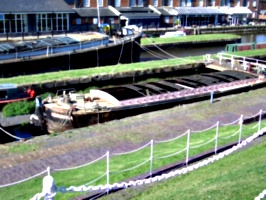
x,y
74,51
170,34
10,92
72,110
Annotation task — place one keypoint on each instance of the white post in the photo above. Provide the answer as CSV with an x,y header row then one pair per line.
x,y
216,137
107,170
260,120
232,62
48,189
220,58
188,138
98,13
47,51
208,57
151,159
240,128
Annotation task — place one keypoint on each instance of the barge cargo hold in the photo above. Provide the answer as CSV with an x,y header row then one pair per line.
x,y
72,110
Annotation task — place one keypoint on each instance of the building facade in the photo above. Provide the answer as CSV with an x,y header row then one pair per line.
x,y
31,16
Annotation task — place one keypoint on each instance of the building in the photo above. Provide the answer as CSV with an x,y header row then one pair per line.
x,y
34,16
26,16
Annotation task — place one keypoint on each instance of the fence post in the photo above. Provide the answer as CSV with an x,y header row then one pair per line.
x,y
188,138
107,170
216,137
151,159
232,62
260,120
220,58
240,128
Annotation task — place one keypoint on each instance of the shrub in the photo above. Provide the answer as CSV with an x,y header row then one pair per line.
x,y
18,108
21,107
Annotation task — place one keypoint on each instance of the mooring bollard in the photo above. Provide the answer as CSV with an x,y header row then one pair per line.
x,y
48,189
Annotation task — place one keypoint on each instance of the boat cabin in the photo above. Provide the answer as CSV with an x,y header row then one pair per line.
x,y
9,92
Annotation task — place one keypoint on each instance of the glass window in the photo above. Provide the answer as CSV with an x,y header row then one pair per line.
x,y
140,3
100,3
16,23
155,2
117,3
86,3
132,3
183,2
2,24
49,22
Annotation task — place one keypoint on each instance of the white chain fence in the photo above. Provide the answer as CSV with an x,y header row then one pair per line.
x,y
49,189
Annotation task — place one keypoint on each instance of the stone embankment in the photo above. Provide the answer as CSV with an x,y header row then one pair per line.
x,y
94,79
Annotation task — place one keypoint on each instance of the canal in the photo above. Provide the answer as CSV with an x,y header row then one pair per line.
x,y
195,51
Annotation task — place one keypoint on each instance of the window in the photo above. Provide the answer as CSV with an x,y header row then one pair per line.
x,y
182,3
86,3
245,3
2,23
16,23
155,2
254,3
200,3
49,22
117,3
189,4
100,3
132,3
140,3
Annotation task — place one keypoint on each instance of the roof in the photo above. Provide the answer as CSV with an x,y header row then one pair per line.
x,y
138,13
198,11
34,6
134,9
235,10
167,11
92,12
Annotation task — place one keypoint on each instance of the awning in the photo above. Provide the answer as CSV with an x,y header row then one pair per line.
x,y
198,11
141,15
93,12
235,10
167,11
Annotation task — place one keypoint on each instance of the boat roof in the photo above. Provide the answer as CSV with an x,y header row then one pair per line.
x,y
41,43
6,86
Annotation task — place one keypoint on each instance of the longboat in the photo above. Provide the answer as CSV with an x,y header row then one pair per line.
x,y
69,109
72,51
10,93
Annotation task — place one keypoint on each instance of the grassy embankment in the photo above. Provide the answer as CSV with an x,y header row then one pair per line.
x,y
223,179
190,38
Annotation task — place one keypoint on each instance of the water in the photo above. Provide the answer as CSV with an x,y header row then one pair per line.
x,y
195,51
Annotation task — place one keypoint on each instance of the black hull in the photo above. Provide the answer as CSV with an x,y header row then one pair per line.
x,y
127,51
